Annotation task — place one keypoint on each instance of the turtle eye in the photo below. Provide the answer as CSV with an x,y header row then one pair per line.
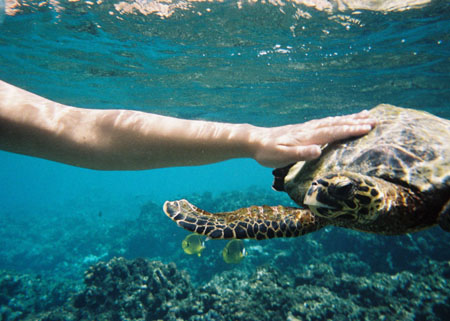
x,y
342,190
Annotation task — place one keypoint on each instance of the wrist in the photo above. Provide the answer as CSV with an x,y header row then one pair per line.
x,y
250,140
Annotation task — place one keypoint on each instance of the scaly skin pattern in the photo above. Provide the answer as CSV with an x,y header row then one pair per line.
x,y
255,222
398,211
394,180
371,204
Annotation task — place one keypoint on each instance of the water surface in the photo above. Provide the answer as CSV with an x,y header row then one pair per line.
x,y
266,63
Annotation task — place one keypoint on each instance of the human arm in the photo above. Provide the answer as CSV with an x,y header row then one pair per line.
x,y
132,140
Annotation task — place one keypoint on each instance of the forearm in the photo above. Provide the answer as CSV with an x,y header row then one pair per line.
x,y
112,139
137,140
130,140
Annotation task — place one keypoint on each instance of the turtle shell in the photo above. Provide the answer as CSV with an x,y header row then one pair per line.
x,y
407,147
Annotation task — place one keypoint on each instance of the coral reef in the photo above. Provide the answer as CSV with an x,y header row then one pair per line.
x,y
150,290
332,274
134,290
320,294
24,294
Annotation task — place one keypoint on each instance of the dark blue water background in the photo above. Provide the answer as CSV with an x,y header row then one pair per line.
x,y
261,64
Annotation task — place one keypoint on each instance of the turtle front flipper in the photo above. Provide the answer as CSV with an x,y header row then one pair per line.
x,y
255,222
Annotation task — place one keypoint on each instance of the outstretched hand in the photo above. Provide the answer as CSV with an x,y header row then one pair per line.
x,y
281,146
130,140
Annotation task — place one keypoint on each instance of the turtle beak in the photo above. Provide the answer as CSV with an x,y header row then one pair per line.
x,y
311,198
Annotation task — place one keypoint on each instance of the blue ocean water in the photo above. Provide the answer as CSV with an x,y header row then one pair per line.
x,y
267,63
262,64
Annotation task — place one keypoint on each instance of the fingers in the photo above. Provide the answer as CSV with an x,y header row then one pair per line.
x,y
307,152
286,155
361,118
292,143
326,135
362,114
291,154
344,120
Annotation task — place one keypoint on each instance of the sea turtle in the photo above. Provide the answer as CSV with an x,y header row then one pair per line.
x,y
394,180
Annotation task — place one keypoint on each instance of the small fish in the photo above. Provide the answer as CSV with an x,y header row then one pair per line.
x,y
234,251
193,244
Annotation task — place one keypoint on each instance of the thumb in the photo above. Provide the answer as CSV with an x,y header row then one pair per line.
x,y
303,153
286,155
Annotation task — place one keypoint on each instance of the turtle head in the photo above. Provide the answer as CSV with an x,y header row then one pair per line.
x,y
345,196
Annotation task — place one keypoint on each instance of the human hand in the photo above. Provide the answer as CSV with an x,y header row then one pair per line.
x,y
132,140
284,145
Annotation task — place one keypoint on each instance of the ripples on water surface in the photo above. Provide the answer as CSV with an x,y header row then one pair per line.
x,y
232,60
267,63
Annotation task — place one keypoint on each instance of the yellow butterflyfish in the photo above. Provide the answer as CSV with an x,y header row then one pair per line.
x,y
234,251
193,244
